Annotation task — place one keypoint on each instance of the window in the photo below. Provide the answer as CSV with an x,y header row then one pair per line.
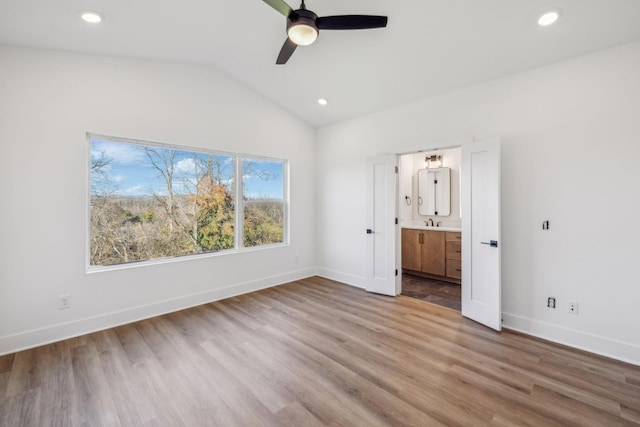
x,y
151,201
264,203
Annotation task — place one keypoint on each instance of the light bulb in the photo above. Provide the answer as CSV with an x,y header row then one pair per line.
x,y
302,34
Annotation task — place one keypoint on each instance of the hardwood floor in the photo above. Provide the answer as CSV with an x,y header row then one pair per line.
x,y
434,291
313,353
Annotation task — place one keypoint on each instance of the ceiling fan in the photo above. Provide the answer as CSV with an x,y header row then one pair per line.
x,y
303,25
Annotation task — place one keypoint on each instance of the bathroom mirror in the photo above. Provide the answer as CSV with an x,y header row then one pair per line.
x,y
434,192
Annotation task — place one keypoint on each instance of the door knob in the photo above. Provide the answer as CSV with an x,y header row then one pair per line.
x,y
492,243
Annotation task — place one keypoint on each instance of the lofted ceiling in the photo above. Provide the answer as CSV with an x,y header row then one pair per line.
x,y
429,47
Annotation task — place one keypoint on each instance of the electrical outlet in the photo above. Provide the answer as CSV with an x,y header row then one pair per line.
x,y
64,301
572,306
551,302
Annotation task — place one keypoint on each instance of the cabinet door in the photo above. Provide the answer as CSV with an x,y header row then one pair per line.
x,y
411,249
433,253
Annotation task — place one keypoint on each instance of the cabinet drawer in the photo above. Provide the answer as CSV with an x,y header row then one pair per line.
x,y
454,250
453,236
454,268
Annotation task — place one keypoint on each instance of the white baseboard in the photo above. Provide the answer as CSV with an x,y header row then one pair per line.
x,y
348,279
603,346
37,337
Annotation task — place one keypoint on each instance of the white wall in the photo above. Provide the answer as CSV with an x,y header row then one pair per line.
x,y
48,100
570,154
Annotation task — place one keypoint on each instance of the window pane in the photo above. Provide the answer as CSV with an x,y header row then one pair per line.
x,y
263,224
263,184
150,202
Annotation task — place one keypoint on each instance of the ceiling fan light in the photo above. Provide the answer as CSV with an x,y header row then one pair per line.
x,y
302,34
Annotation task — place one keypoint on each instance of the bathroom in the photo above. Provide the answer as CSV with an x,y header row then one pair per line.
x,y
431,220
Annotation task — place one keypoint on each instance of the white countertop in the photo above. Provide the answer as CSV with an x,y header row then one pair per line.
x,y
431,228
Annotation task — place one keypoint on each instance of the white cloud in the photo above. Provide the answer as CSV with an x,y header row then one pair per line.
x,y
119,152
186,167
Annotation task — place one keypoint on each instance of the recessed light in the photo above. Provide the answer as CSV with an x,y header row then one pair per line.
x,y
548,18
91,17
322,101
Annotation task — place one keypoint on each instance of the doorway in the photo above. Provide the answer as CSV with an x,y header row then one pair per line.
x,y
429,190
479,259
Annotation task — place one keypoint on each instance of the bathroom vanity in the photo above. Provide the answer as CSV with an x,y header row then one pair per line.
x,y
434,252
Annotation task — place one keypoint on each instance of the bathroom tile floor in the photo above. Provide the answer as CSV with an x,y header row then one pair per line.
x,y
434,291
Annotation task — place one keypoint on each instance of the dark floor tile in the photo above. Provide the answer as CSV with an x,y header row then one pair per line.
x,y
434,291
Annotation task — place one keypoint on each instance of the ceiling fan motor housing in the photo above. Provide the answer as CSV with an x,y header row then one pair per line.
x,y
303,25
302,18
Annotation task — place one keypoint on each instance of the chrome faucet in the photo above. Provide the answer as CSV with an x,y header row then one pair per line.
x,y
427,222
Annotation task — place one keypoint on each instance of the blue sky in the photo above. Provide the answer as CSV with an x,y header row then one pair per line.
x,y
129,171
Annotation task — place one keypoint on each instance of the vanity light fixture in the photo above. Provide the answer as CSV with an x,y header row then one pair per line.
x,y
433,158
549,18
91,17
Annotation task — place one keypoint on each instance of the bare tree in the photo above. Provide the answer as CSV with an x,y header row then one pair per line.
x,y
101,185
163,160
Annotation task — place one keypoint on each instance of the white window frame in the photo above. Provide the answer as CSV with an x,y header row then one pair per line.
x,y
239,204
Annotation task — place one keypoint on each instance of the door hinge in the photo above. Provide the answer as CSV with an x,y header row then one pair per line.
x,y
396,169
396,221
396,271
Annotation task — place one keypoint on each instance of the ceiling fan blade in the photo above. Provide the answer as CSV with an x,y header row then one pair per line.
x,y
287,50
280,6
351,22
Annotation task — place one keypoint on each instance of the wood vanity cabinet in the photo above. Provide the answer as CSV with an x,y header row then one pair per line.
x,y
423,251
435,254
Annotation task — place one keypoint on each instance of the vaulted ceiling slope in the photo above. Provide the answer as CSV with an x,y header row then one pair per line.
x,y
428,48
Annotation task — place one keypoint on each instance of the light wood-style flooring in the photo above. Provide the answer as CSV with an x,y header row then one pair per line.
x,y
313,353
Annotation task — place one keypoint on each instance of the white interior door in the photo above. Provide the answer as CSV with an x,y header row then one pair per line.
x,y
481,245
382,181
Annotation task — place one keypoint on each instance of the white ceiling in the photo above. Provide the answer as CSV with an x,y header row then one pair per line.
x,y
429,47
